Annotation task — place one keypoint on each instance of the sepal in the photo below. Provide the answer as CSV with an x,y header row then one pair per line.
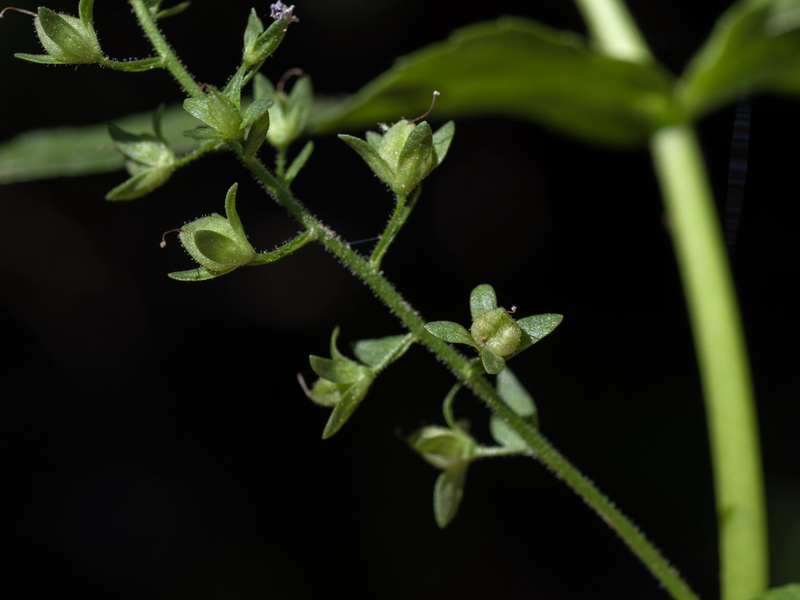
x,y
256,121
219,112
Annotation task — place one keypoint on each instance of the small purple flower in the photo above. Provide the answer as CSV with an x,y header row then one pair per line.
x,y
280,11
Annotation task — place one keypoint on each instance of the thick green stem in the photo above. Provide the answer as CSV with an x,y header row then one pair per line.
x,y
468,373
722,358
716,325
614,30
171,62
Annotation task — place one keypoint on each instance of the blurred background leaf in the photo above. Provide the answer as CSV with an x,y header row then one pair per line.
x,y
512,67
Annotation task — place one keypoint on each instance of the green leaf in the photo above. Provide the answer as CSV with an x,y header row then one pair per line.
x,y
376,352
171,11
217,111
85,9
336,369
535,327
491,362
371,157
786,592
442,139
140,184
230,210
518,68
754,47
345,408
72,151
520,401
198,274
415,159
299,162
448,493
256,112
41,59
450,332
255,27
482,299
145,149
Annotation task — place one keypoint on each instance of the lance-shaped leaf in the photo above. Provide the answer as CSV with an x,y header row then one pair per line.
x,y
754,47
378,353
482,299
450,332
520,401
217,111
518,68
535,327
492,363
448,493
371,157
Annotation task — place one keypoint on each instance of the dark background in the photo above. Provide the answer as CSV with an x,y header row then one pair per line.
x,y
160,446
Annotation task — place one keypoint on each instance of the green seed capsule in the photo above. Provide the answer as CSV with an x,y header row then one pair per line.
x,y
496,331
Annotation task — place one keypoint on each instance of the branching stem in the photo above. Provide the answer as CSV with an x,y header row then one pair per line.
x,y
171,61
465,371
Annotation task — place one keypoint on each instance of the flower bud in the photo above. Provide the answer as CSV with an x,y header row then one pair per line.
x,y
289,113
405,154
260,44
343,383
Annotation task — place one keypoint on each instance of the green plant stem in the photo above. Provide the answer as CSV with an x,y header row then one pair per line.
x,y
716,325
198,152
171,61
464,369
402,209
470,373
285,249
722,358
614,30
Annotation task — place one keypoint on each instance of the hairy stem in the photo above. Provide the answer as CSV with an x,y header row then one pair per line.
x,y
471,376
171,61
716,325
402,209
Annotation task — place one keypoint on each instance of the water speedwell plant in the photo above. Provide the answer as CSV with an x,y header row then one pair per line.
x,y
623,96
